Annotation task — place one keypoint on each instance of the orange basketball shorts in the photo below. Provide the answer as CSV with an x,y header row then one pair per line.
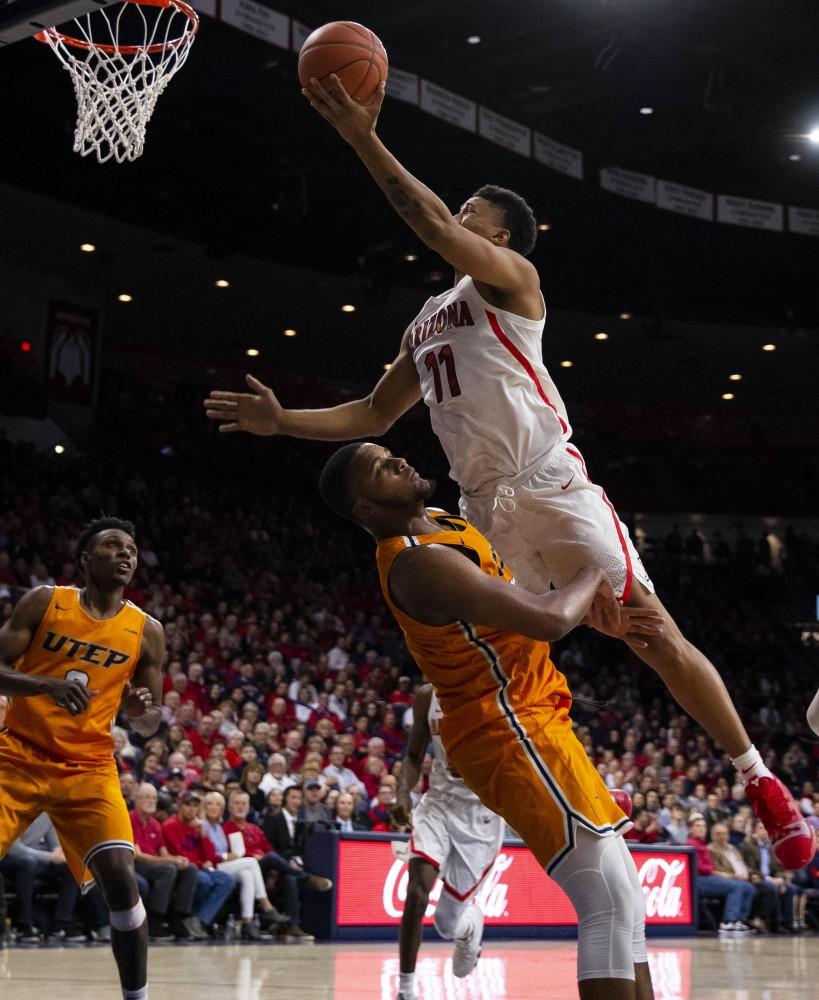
x,y
530,768
83,800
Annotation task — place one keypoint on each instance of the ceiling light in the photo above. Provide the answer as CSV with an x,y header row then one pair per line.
x,y
59,449
727,395
769,347
813,135
252,352
795,157
289,332
125,297
602,335
222,283
387,366
544,227
87,247
473,40
646,110
736,377
348,308
566,364
410,257
625,315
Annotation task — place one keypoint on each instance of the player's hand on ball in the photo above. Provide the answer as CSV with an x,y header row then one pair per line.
x,y
258,412
352,120
137,701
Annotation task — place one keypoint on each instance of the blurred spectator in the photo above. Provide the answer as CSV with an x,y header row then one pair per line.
x,y
252,777
36,856
729,864
762,864
166,881
285,832
184,836
277,774
245,868
336,774
312,809
738,896
345,819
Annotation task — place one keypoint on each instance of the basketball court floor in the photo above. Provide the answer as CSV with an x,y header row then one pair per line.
x,y
766,968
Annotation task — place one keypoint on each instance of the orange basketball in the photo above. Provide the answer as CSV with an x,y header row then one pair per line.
x,y
351,51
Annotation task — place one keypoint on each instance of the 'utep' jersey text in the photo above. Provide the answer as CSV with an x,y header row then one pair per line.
x,y
481,675
492,403
102,654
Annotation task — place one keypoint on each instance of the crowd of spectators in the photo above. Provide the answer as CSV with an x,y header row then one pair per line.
x,y
288,693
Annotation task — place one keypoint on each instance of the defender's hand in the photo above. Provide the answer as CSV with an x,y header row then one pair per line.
x,y
136,701
355,122
70,695
258,412
401,812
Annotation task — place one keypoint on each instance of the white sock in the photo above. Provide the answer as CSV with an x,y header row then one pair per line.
x,y
749,765
406,984
135,994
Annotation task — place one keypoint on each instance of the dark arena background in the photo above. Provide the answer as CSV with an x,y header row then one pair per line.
x,y
670,153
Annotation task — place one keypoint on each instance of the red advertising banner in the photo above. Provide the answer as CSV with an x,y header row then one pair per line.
x,y
372,888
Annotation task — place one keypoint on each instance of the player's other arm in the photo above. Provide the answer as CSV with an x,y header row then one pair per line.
x,y
418,206
15,638
260,412
413,762
143,696
436,585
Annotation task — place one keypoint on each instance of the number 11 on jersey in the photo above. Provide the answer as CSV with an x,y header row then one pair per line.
x,y
433,363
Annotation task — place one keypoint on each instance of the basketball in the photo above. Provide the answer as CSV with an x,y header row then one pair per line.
x,y
351,51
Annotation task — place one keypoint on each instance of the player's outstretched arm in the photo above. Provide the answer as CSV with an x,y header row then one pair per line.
x,y
437,584
15,638
421,209
414,759
143,696
260,412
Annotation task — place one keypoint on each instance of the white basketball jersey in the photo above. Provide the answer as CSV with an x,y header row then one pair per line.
x,y
492,403
442,781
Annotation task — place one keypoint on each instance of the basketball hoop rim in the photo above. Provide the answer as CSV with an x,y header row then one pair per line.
x,y
52,35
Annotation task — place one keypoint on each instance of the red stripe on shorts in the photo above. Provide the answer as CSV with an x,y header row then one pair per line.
x,y
629,568
525,364
468,893
422,856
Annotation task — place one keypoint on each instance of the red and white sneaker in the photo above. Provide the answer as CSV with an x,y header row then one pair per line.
x,y
790,834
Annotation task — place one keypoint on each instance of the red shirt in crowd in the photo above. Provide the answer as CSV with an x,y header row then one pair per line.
x,y
202,747
705,863
147,835
188,842
256,844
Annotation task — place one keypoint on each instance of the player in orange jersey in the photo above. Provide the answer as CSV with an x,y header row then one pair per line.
x,y
484,645
69,658
474,355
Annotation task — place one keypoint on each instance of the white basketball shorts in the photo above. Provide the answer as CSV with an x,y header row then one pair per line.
x,y
551,521
458,835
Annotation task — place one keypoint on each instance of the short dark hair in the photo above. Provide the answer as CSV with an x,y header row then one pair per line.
x,y
334,481
103,524
519,218
288,791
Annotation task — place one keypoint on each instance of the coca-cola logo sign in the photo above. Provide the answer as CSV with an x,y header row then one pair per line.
x,y
372,888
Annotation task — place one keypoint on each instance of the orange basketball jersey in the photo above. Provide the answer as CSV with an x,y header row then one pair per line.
x,y
100,654
481,675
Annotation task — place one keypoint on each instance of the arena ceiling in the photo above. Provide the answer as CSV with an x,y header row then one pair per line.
x,y
237,162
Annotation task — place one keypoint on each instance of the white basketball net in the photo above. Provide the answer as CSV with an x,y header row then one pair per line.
x,y
118,81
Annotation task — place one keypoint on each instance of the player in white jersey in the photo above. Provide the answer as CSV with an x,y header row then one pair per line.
x,y
474,355
454,838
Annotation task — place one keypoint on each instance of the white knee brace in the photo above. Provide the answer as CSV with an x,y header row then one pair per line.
x,y
595,878
448,912
128,920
